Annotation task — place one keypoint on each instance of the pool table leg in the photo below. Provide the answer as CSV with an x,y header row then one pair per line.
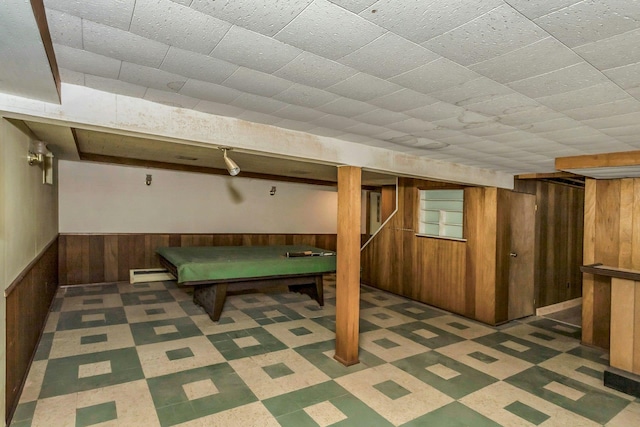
x,y
319,291
211,298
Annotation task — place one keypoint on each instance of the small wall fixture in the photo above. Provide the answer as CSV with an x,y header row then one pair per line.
x,y
148,180
273,191
37,153
232,167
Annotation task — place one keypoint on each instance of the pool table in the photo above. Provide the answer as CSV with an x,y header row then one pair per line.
x,y
215,271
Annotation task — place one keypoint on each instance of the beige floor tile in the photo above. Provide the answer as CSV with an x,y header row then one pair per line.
x,y
263,386
374,342
422,397
240,321
492,400
155,360
282,331
52,322
33,383
325,413
629,416
139,313
83,302
559,342
69,343
384,318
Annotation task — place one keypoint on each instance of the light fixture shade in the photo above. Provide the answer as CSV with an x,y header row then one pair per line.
x,y
232,167
40,147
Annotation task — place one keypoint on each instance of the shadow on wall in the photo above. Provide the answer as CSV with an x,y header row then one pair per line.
x,y
235,195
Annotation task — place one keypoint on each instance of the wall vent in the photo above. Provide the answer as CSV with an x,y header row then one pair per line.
x,y
149,275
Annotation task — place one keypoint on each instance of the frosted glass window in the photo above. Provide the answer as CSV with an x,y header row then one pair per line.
x,y
441,213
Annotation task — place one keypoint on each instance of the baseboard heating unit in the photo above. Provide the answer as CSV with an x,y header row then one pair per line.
x,y
149,275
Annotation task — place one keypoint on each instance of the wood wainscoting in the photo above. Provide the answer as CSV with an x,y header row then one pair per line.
x,y
28,300
99,258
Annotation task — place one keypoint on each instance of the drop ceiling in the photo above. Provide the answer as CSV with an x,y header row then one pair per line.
x,y
501,85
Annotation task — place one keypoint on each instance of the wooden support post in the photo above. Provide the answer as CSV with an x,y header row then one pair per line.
x,y
348,265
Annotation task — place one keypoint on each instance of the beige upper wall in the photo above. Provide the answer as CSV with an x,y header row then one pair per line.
x,y
28,218
100,198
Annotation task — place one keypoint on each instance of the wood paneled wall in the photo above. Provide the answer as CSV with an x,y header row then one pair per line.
x,y
98,258
611,237
28,300
441,272
559,237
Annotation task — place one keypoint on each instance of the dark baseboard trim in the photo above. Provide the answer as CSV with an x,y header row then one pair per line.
x,y
623,381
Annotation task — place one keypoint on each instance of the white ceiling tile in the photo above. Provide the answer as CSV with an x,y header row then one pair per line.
x,y
437,111
496,32
150,77
574,134
419,20
72,77
381,117
209,91
253,50
323,131
624,106
538,58
363,87
177,25
119,44
508,104
305,96
362,139
355,6
436,75
258,103
346,107
437,133
366,129
256,82
614,121
312,70
294,125
627,77
565,80
83,61
114,86
116,13
526,116
617,51
592,95
402,100
197,66
552,125
218,109
411,126
64,28
464,120
538,8
263,16
253,116
473,91
328,30
295,112
380,57
335,122
591,20
487,129
170,98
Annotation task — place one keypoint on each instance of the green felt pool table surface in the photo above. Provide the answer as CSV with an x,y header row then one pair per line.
x,y
202,263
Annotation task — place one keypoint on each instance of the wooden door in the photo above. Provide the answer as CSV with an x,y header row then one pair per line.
x,y
521,255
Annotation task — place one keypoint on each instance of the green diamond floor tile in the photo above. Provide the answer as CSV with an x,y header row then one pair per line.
x,y
79,291
426,335
88,371
179,353
591,372
277,370
93,339
527,413
146,297
96,414
452,415
321,356
221,387
447,375
228,345
391,389
91,318
415,311
485,358
44,346
24,411
588,401
557,328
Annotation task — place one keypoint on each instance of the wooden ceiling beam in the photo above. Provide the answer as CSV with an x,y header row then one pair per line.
x,y
604,160
550,175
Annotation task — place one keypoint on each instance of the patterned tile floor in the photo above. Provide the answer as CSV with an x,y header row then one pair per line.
x,y
145,355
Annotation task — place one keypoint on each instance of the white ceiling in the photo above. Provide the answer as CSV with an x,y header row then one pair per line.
x,y
503,85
